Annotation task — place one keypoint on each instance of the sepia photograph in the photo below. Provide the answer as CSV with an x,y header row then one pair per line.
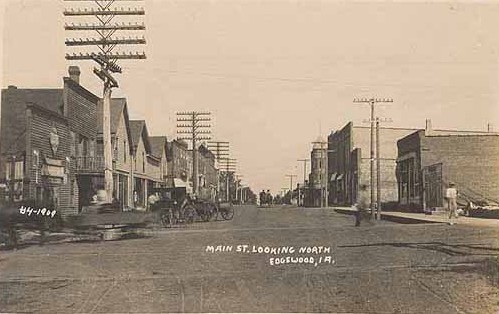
x,y
249,156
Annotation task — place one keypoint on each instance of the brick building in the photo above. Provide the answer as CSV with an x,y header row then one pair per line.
x,y
179,162
429,159
349,162
43,133
317,180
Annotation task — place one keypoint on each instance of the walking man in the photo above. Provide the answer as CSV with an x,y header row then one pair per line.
x,y
451,197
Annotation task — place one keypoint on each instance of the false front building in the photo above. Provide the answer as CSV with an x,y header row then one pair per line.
x,y
51,149
43,134
349,162
429,159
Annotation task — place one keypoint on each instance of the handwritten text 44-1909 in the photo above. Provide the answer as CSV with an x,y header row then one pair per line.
x,y
23,210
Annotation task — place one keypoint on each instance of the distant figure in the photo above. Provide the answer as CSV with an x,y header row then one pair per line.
x,y
263,198
269,198
135,199
451,197
361,205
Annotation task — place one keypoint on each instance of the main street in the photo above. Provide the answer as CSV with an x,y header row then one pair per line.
x,y
381,268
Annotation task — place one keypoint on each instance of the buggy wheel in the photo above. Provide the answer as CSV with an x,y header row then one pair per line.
x,y
228,213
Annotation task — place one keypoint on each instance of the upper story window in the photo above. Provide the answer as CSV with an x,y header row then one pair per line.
x,y
14,170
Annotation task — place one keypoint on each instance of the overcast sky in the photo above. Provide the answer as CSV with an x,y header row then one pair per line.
x,y
277,74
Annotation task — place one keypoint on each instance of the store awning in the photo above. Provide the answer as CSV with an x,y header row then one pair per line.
x,y
175,183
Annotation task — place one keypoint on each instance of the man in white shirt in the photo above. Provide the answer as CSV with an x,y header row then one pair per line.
x,y
451,197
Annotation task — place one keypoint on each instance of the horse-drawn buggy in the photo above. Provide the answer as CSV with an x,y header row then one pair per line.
x,y
175,205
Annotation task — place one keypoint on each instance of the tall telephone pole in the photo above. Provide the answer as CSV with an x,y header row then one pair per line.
x,y
193,124
378,168
304,168
100,49
372,101
221,150
304,178
291,176
229,166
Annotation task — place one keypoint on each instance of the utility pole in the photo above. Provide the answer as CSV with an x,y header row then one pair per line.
x,y
378,168
100,15
304,168
378,174
221,150
291,176
304,178
193,124
230,168
372,101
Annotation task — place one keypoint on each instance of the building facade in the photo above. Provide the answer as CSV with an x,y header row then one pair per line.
x,y
146,173
429,159
179,163
51,149
315,195
349,163
208,174
43,133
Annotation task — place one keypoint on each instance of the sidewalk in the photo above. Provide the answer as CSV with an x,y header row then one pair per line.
x,y
439,217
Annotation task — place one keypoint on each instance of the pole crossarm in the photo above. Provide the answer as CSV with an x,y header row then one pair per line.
x,y
106,27
120,56
103,41
189,123
80,12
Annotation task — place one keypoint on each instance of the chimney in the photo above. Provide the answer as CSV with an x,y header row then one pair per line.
x,y
428,128
490,129
74,73
12,87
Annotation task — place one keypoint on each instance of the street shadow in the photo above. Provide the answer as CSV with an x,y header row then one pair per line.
x,y
49,239
449,249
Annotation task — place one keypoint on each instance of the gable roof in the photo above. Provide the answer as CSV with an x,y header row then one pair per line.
x,y
116,108
14,102
138,130
158,144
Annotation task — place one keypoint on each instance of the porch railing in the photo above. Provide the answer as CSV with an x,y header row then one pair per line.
x,y
90,164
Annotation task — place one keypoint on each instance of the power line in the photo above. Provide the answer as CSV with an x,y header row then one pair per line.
x,y
372,102
193,125
105,55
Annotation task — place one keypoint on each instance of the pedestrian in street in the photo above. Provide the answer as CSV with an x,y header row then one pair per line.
x,y
451,197
262,198
269,198
361,204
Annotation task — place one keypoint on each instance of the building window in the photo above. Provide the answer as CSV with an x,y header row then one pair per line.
x,y
19,170
124,150
143,163
7,170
